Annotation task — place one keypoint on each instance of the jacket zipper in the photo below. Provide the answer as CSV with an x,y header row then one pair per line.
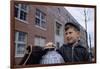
x,y
72,53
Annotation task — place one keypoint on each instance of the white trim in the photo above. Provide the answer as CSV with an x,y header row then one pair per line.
x,y
19,42
59,38
39,41
24,9
19,55
59,22
19,11
21,20
40,27
40,18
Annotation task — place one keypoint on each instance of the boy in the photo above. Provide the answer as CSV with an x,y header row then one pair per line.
x,y
72,51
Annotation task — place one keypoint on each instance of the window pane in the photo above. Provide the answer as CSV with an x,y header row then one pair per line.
x,y
21,37
23,6
20,48
37,13
37,21
42,16
57,44
20,43
43,24
58,28
22,15
58,32
42,42
37,41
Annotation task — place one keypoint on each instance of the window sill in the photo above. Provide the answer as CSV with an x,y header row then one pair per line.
x,y
19,55
40,27
21,20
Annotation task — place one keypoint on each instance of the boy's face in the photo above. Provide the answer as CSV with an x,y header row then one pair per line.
x,y
72,36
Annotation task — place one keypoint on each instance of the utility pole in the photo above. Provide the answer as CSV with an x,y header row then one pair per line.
x,y
91,54
89,47
90,41
85,16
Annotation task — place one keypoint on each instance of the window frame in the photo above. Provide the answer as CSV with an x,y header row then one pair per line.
x,y
19,42
19,13
40,39
41,13
59,28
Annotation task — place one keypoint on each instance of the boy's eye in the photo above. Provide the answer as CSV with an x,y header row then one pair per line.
x,y
66,33
70,32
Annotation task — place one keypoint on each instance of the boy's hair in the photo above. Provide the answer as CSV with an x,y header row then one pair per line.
x,y
71,25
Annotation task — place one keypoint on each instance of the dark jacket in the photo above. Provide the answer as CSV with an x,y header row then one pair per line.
x,y
74,54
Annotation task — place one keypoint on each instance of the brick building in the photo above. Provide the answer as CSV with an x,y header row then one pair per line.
x,y
37,24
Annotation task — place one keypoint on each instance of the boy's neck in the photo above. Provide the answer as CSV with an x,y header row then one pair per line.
x,y
73,44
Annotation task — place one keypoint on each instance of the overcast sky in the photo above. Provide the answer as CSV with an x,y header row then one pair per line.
x,y
78,14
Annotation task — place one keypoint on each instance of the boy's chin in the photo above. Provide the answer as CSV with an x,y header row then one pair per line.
x,y
70,43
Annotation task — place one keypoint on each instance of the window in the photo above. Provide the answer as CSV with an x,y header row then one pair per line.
x,y
40,19
39,41
58,28
57,44
21,11
20,43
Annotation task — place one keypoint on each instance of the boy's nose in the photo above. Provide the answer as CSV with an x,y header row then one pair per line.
x,y
68,35
68,38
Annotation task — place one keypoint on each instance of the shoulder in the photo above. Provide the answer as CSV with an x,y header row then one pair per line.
x,y
62,48
82,48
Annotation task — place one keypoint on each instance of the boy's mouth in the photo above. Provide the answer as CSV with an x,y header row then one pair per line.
x,y
69,39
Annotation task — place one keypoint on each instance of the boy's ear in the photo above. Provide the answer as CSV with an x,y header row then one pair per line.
x,y
78,33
